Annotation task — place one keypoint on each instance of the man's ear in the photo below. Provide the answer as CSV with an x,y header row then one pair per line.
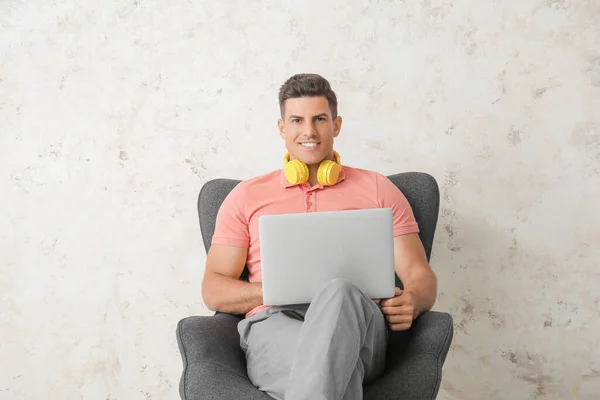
x,y
281,127
337,126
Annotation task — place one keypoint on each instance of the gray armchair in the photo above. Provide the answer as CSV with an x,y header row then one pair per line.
x,y
214,366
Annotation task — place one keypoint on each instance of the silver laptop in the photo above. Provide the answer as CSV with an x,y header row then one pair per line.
x,y
301,252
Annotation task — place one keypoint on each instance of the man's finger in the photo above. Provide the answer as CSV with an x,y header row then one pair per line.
x,y
389,302
397,310
395,301
399,319
400,327
402,299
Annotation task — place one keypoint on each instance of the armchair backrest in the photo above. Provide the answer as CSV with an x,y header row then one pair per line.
x,y
421,191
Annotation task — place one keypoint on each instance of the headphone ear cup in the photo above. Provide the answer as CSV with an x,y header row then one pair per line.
x,y
328,173
296,172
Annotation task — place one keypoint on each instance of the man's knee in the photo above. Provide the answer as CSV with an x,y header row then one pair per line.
x,y
340,287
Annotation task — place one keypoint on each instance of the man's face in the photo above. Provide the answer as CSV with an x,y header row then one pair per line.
x,y
308,129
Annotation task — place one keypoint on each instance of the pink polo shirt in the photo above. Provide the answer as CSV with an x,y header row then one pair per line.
x,y
237,219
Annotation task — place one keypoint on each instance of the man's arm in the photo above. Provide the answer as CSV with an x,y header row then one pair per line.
x,y
419,280
414,271
222,290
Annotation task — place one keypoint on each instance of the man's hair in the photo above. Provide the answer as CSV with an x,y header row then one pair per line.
x,y
307,85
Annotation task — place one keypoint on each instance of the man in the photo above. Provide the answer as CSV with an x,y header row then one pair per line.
x,y
330,348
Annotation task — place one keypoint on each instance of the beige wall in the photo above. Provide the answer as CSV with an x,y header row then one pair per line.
x,y
114,113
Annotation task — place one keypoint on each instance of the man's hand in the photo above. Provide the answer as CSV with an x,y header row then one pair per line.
x,y
399,311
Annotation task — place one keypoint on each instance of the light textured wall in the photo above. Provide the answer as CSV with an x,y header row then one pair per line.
x,y
114,113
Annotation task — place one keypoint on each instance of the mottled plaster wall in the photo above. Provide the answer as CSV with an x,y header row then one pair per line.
x,y
114,113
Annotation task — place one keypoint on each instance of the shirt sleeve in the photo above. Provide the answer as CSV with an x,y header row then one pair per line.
x,y
389,196
231,227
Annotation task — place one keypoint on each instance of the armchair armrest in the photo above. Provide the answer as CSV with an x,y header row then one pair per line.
x,y
214,366
415,359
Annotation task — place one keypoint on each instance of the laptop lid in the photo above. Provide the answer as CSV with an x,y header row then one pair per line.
x,y
301,252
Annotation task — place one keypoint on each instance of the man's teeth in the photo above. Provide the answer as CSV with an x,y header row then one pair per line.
x,y
309,144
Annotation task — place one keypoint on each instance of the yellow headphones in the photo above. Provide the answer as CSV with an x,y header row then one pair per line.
x,y
296,172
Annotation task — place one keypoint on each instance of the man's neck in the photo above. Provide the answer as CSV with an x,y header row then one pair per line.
x,y
313,170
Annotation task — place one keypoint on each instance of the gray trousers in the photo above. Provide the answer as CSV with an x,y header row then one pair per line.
x,y
325,350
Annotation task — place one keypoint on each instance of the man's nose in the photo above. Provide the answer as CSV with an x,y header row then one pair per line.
x,y
310,128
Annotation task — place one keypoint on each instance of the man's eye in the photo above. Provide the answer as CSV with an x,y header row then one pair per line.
x,y
295,120
321,118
